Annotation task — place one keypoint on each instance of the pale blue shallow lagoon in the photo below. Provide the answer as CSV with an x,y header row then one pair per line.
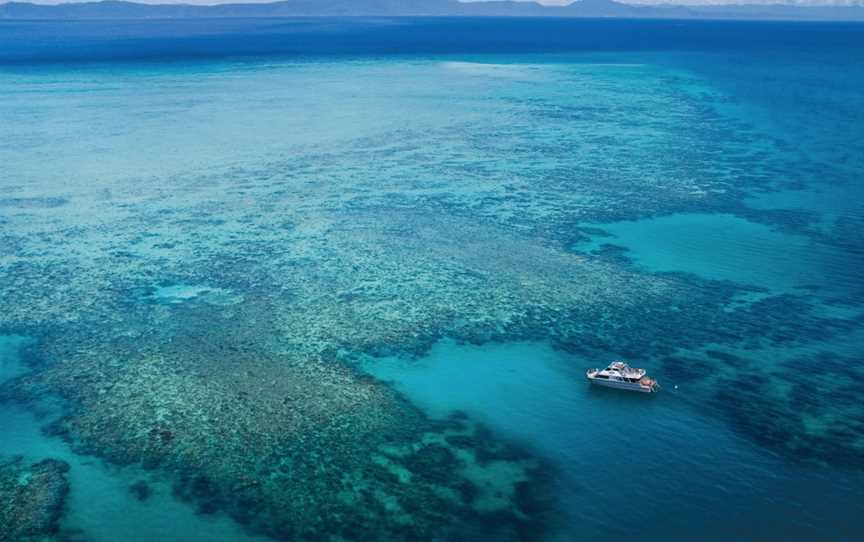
x,y
341,280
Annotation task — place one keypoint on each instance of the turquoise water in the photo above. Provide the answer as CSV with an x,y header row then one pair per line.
x,y
101,505
726,247
689,478
341,280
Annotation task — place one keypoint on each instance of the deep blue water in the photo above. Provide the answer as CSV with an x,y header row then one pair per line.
x,y
59,41
198,215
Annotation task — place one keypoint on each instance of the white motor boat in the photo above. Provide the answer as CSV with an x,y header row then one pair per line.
x,y
620,375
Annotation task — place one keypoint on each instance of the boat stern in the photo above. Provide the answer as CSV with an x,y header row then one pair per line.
x,y
649,384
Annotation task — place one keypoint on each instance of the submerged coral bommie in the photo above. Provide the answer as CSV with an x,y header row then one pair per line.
x,y
32,498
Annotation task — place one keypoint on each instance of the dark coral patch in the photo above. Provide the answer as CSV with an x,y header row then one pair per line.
x,y
33,498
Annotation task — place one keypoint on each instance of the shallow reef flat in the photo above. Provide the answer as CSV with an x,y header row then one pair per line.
x,y
201,305
295,448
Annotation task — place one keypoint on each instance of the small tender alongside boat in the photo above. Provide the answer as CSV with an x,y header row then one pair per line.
x,y
620,375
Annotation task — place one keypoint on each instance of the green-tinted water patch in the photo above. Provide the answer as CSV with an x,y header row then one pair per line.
x,y
828,203
176,294
723,247
10,362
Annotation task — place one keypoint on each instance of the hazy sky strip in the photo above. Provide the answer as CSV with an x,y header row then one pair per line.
x,y
546,2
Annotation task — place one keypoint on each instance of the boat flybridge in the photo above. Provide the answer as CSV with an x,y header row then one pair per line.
x,y
620,375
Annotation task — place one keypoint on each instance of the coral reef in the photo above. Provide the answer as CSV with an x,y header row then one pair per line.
x,y
32,498
204,320
290,446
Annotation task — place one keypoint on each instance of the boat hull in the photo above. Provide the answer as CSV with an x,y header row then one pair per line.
x,y
628,386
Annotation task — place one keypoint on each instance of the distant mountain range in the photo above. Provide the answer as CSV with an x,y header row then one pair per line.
x,y
112,9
